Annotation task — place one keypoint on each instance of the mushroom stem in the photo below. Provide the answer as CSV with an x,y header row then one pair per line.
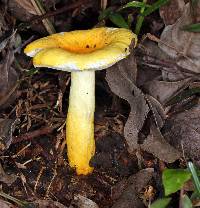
x,y
80,121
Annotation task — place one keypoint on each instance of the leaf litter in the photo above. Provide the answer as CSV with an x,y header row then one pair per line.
x,y
182,46
152,123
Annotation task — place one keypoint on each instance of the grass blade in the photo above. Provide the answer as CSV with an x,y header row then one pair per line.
x,y
140,19
154,7
194,177
135,4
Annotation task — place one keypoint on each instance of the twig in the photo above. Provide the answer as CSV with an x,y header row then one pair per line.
x,y
59,11
33,134
52,179
40,11
38,178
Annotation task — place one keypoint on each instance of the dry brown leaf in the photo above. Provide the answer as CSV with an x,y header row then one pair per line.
x,y
163,91
7,127
155,64
27,5
5,204
128,190
171,11
8,80
183,132
121,78
5,178
48,204
20,12
157,111
84,202
3,24
158,146
181,45
121,82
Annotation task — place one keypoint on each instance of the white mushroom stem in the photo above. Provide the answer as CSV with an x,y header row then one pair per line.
x,y
80,121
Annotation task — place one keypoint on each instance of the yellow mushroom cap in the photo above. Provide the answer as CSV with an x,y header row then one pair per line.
x,y
92,49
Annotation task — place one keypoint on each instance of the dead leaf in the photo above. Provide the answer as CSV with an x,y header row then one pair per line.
x,y
155,64
49,204
7,127
181,45
163,91
5,178
128,190
183,132
8,80
171,11
4,26
84,202
5,204
159,147
157,111
24,11
121,79
27,5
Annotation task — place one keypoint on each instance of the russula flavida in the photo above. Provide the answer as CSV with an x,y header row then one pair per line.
x,y
81,52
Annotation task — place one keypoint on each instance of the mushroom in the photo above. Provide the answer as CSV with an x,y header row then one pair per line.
x,y
81,52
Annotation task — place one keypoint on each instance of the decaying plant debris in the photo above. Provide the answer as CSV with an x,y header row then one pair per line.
x,y
147,109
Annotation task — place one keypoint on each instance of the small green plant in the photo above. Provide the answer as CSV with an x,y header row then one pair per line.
x,y
116,17
173,181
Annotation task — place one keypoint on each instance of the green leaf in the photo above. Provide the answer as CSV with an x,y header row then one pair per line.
x,y
186,202
173,179
194,176
118,20
135,4
140,19
192,28
105,14
161,203
154,7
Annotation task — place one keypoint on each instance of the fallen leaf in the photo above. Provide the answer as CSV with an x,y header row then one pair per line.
x,y
182,131
181,45
4,27
8,80
5,178
163,91
7,127
27,5
5,204
129,191
171,11
157,111
156,144
48,204
121,80
155,64
84,202
24,11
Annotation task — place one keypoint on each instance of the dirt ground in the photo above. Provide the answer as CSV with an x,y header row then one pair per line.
x,y
146,115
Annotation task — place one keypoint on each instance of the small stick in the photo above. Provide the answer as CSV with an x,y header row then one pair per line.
x,y
20,151
54,175
38,178
33,134
59,11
